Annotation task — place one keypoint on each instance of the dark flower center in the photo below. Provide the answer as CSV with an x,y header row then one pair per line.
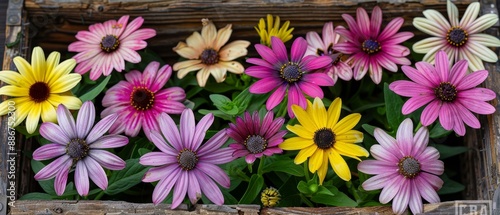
x,y
39,92
109,43
371,46
209,57
457,36
77,149
142,98
329,51
290,72
324,138
446,92
255,144
409,167
187,159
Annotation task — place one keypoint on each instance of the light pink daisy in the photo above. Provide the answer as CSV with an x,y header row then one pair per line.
x,y
108,45
140,100
406,169
294,76
321,47
451,94
372,49
184,164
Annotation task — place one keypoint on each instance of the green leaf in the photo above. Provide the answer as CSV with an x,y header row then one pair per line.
x,y
285,165
36,196
22,129
369,128
95,91
330,195
450,186
393,105
143,151
47,185
253,190
242,100
449,151
438,131
126,178
224,104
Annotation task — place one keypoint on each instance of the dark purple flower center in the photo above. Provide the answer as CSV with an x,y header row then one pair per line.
x,y
446,92
109,43
209,57
290,72
329,51
371,46
77,149
457,36
324,138
255,144
142,98
409,167
187,159
39,92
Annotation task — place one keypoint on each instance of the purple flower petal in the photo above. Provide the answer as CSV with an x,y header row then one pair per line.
x,y
213,144
62,178
163,187
415,103
261,72
379,181
160,143
267,54
435,167
299,48
391,29
363,20
311,90
157,159
472,80
49,151
82,179
209,188
52,168
66,121
194,189
404,136
169,130
391,189
375,167
476,106
421,139
279,49
389,145
158,173
180,189
260,62
276,97
53,133
415,203
318,79
295,97
265,85
313,63
201,129
215,172
101,127
375,22
160,78
481,94
85,119
109,141
96,173
402,198
107,159
221,156
426,190
442,66
430,113
187,128
380,153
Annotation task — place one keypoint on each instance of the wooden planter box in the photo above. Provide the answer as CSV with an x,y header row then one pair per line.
x,y
52,24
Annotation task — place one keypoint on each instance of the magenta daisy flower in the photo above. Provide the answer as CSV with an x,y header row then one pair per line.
x,y
79,147
451,94
320,47
406,169
108,45
372,49
140,99
254,139
279,73
184,164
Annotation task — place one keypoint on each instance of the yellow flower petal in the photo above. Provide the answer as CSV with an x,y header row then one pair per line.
x,y
196,42
233,67
305,153
23,107
209,32
48,112
66,83
52,62
71,102
351,150
323,169
60,70
295,143
319,113
33,118
38,64
222,37
351,136
10,77
218,72
186,64
301,131
347,123
316,160
339,165
188,52
234,50
14,91
24,69
202,76
334,113
304,118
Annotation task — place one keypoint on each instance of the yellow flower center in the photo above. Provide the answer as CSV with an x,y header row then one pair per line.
x,y
324,138
142,98
409,167
371,46
209,56
187,159
39,92
457,36
77,149
446,92
255,144
109,43
270,197
291,72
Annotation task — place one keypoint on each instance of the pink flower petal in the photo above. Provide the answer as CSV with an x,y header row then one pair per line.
x,y
363,20
375,167
446,116
467,116
421,139
476,106
213,144
163,187
201,129
157,159
313,63
209,188
391,29
267,54
402,198
410,89
187,128
82,179
66,121
279,49
404,136
194,189
221,156
85,119
52,168
295,97
442,66
418,76
169,129
415,203
379,181
53,133
180,189
391,188
299,48
260,62
415,103
435,167
262,72
265,85
215,172
380,153
481,94
430,113
107,159
426,190
49,151
458,71
109,141
159,173
96,173
62,178
472,80
376,22
320,79
276,97
311,90
101,127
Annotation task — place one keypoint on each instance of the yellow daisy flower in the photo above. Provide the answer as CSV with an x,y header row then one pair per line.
x,y
273,29
207,54
322,138
39,88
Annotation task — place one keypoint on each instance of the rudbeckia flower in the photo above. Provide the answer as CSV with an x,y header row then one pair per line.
x,y
273,29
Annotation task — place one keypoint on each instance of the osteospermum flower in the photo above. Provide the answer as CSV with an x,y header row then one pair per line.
x,y
288,75
372,49
270,197
451,94
253,138
322,138
184,164
405,168
273,29
460,40
108,45
140,100
81,147
38,88
320,47
208,54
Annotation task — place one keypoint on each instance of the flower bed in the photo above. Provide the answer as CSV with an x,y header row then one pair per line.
x,y
224,117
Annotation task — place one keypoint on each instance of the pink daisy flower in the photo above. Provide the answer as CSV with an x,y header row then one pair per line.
x,y
254,139
405,168
321,47
108,45
451,94
372,49
295,75
140,99
79,146
185,163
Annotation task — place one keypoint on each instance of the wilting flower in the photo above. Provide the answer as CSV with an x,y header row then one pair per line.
x,y
253,138
185,163
288,75
451,94
405,168
322,138
270,197
38,88
460,40
81,147
372,49
205,53
321,47
273,29
108,45
140,99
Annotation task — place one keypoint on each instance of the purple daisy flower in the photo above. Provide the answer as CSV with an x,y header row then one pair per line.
x,y
80,146
450,94
279,73
405,168
185,163
254,139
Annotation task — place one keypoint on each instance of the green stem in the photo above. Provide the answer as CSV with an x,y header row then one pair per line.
x,y
418,126
306,172
304,198
260,169
283,108
99,196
